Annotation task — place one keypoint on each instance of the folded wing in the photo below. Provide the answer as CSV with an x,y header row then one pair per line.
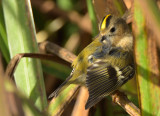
x,y
103,79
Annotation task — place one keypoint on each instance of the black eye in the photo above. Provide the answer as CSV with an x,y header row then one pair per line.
x,y
112,29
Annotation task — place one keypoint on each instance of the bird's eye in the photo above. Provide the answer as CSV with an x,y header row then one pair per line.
x,y
113,29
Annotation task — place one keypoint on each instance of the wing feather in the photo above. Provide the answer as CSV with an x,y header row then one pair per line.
x,y
102,79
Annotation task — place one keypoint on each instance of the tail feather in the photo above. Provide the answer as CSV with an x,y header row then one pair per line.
x,y
60,88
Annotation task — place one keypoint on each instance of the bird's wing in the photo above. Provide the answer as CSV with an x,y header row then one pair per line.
x,y
102,79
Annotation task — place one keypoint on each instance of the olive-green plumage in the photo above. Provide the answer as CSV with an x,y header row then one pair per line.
x,y
106,63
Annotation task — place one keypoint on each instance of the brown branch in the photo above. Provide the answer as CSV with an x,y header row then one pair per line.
x,y
16,59
79,108
122,100
118,97
55,49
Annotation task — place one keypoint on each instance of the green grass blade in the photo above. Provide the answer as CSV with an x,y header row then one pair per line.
x,y
146,58
57,104
93,18
142,61
3,37
21,39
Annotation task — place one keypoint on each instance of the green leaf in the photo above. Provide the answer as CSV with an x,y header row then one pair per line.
x,y
3,37
142,61
21,39
147,63
57,104
93,18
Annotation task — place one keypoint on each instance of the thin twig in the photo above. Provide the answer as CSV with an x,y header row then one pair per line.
x,y
16,59
119,98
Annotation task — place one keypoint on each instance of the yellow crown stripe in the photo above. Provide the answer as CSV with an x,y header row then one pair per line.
x,y
103,25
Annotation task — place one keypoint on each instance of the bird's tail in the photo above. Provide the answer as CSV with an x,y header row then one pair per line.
x,y
60,88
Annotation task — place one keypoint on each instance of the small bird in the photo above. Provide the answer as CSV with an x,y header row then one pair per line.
x,y
106,63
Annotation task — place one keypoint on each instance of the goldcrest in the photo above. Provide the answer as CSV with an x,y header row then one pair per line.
x,y
106,63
